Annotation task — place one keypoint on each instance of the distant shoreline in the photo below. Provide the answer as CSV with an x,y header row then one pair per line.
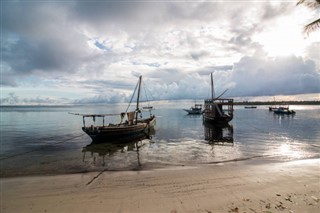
x,y
277,103
235,103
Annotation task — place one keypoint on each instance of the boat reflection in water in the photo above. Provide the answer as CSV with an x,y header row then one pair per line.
x,y
218,134
100,151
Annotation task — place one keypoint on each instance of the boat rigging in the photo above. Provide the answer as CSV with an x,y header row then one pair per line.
x,y
131,127
218,110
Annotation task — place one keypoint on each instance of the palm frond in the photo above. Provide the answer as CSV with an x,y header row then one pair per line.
x,y
312,26
309,3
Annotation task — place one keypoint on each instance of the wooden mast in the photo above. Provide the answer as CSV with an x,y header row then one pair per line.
x,y
138,97
212,88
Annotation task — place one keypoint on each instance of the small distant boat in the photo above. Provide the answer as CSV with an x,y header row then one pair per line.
x,y
218,110
284,111
273,108
250,107
116,132
196,110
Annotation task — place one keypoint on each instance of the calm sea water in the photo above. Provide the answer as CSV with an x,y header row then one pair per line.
x,y
48,140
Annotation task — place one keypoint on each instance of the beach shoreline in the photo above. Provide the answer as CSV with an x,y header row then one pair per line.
x,y
226,187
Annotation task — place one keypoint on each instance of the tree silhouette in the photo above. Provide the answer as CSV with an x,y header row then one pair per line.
x,y
315,4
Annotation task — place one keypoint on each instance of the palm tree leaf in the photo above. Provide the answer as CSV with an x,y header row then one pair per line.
x,y
309,3
312,26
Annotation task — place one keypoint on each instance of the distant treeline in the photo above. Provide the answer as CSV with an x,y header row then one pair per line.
x,y
277,103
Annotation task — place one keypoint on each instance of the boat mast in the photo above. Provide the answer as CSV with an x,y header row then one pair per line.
x,y
212,88
138,97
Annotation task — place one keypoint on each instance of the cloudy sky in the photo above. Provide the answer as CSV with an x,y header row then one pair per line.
x,y
60,52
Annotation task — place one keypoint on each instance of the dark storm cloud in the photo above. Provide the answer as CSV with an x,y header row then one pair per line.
x,y
37,37
25,56
100,12
46,38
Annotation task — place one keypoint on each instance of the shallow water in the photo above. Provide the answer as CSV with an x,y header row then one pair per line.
x,y
48,140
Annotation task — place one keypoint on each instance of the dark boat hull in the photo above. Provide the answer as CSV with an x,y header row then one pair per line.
x,y
193,112
196,110
218,111
287,112
250,107
277,108
217,120
121,132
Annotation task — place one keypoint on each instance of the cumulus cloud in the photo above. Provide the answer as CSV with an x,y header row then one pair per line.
x,y
101,47
253,76
13,99
109,97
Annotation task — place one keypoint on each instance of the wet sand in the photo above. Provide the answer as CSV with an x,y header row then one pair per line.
x,y
230,187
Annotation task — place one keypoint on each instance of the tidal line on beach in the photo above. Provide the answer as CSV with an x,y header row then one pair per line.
x,y
238,159
33,150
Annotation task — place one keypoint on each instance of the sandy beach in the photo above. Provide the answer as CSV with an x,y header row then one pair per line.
x,y
229,187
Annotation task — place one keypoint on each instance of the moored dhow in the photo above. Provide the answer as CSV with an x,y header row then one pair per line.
x,y
118,132
132,126
218,110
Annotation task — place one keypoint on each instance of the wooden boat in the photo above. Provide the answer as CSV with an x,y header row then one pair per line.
x,y
196,110
250,107
217,110
284,111
116,132
273,108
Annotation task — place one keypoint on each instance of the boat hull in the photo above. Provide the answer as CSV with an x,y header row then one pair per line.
x,y
218,111
193,112
196,110
287,112
277,108
221,121
120,132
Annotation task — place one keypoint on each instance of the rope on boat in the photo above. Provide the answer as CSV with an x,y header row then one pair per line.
x,y
93,115
33,150
134,92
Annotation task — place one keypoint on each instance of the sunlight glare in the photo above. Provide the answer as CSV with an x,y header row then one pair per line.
x,y
286,36
285,149
283,41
